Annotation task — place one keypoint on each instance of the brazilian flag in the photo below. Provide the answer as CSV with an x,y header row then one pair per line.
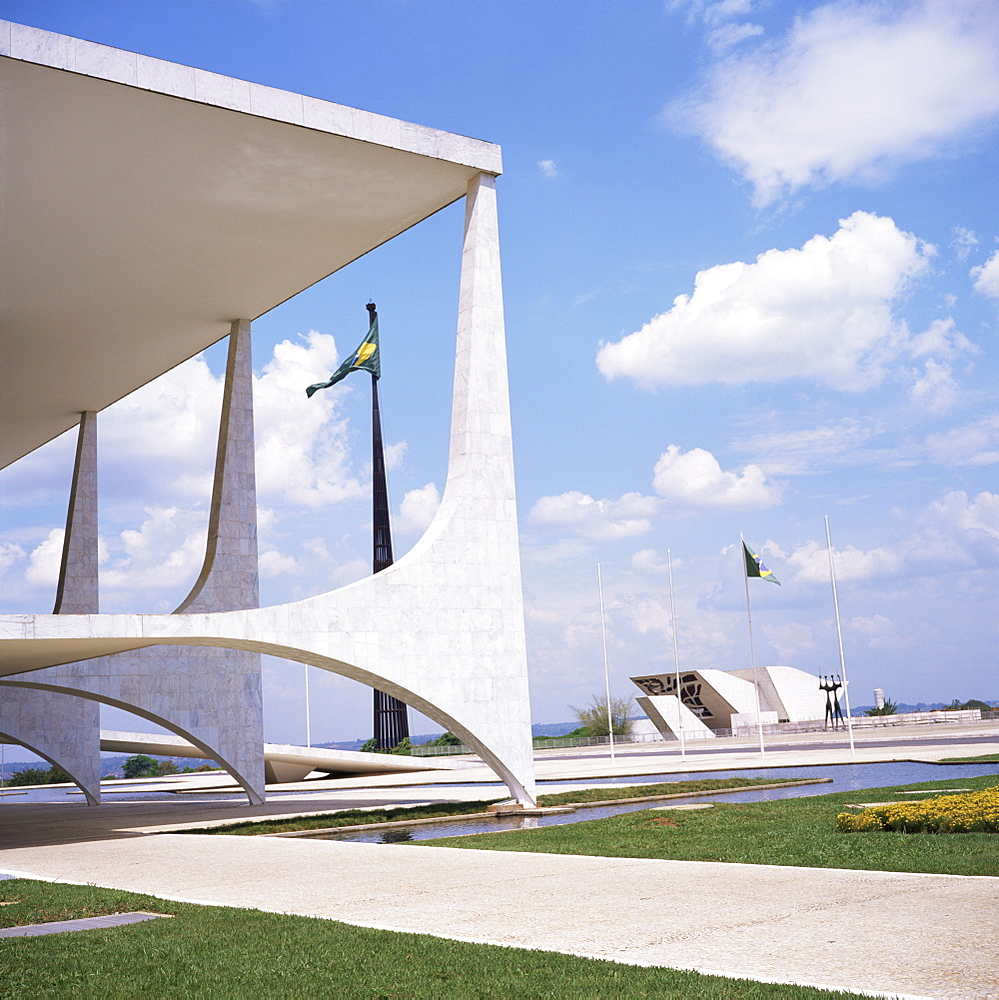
x,y
755,567
365,358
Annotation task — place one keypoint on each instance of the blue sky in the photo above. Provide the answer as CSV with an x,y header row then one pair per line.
x,y
751,274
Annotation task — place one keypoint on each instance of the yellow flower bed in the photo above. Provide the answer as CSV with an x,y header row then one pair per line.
x,y
973,812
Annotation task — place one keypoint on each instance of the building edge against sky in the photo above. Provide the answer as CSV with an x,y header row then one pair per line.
x,y
173,158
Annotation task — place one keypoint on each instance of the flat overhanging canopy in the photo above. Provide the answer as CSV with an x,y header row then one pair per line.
x,y
146,205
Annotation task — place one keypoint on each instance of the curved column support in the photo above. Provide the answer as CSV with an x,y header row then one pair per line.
x,y
63,729
213,698
201,695
443,628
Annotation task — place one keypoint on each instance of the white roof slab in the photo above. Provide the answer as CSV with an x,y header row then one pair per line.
x,y
146,205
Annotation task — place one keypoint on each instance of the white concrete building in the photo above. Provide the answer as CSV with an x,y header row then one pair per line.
x,y
710,699
179,206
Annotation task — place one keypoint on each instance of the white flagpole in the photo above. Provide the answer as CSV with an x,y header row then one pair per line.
x,y
676,655
752,648
308,721
603,631
839,636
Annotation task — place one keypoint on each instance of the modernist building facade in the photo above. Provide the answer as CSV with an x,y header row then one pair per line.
x,y
710,700
181,205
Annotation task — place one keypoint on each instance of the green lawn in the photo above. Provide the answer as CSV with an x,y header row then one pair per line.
x,y
985,758
209,951
346,817
798,831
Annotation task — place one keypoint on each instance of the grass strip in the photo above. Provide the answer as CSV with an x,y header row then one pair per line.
x,y
987,758
667,790
348,817
214,952
800,831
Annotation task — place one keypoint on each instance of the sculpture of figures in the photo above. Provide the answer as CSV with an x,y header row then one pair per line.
x,y
831,685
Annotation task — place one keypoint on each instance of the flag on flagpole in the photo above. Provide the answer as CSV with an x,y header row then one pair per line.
x,y
755,567
365,358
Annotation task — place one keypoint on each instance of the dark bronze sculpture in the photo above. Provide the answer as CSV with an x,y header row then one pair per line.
x,y
831,685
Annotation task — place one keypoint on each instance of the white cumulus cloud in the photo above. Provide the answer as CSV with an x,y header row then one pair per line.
x,y
45,560
273,563
810,563
959,531
601,520
986,277
952,533
302,453
694,479
850,92
418,508
823,312
685,483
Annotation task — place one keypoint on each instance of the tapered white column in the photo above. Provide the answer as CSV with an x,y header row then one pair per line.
x,y
60,727
77,591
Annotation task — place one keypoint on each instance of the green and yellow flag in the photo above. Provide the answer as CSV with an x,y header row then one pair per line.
x,y
365,358
755,567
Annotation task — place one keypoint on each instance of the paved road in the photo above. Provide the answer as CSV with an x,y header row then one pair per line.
x,y
919,935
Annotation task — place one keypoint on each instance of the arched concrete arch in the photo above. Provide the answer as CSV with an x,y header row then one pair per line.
x,y
65,732
453,716
195,735
79,782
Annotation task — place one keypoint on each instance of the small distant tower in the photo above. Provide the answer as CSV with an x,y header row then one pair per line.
x,y
879,698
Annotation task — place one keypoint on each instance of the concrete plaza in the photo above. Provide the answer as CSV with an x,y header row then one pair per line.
x,y
881,932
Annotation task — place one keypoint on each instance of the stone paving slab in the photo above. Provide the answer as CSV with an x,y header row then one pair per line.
x,y
918,935
83,924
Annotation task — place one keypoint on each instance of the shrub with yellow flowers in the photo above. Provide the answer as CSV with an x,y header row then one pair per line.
x,y
972,812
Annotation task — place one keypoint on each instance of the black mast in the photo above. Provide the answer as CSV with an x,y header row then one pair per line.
x,y
391,720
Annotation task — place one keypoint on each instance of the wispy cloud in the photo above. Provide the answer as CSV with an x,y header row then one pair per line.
x,y
800,452
548,168
975,443
850,92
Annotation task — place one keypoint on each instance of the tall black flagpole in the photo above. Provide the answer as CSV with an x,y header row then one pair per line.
x,y
391,720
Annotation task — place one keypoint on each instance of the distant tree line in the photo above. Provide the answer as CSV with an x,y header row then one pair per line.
x,y
405,745
138,766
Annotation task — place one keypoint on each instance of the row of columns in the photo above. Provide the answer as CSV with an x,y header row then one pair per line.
x,y
210,697
442,629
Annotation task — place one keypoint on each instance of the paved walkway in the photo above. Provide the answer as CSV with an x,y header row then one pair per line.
x,y
890,933
919,935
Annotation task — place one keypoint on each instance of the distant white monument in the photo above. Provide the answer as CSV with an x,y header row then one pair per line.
x,y
709,700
